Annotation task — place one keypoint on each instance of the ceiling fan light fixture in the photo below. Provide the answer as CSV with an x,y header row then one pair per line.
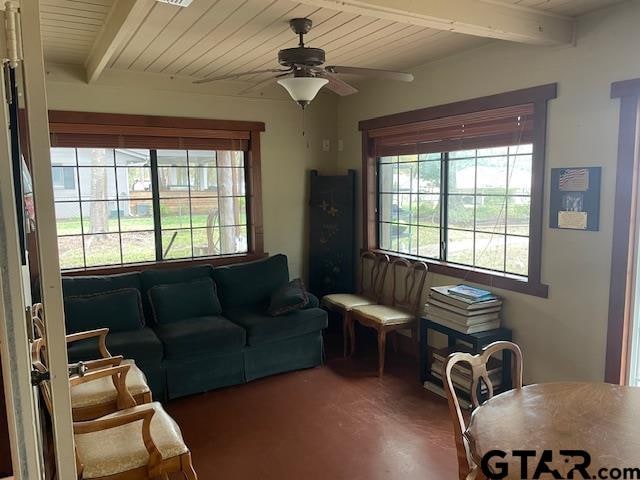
x,y
303,89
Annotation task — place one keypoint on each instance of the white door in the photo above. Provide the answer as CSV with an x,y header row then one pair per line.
x,y
22,54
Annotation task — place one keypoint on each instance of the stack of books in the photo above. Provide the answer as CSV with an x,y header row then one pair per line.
x,y
463,308
461,374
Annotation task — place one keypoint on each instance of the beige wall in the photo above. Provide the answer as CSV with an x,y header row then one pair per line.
x,y
563,337
287,156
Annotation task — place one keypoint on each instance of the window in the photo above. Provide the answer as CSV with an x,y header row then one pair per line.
x,y
470,207
109,219
460,187
120,205
203,210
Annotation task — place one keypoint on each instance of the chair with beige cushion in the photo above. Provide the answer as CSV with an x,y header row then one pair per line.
x,y
134,443
373,271
467,468
406,297
98,398
95,399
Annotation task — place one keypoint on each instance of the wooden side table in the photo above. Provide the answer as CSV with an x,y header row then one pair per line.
x,y
477,341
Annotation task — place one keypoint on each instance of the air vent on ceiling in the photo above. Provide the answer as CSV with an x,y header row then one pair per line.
x,y
179,3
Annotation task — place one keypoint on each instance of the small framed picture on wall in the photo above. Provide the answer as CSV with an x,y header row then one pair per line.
x,y
575,198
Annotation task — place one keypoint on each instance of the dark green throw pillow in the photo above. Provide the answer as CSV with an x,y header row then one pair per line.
x,y
118,310
288,298
178,301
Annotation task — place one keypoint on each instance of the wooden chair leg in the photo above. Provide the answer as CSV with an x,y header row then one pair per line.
x,y
345,332
395,341
352,335
382,347
187,467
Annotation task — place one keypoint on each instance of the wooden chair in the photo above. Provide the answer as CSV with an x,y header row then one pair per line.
x,y
404,311
134,443
98,398
373,268
467,467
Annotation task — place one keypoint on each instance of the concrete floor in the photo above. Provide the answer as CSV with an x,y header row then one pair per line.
x,y
333,422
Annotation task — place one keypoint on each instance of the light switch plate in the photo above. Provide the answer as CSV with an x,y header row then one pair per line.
x,y
326,145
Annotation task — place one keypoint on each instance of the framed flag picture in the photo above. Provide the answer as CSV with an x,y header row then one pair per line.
x,y
575,198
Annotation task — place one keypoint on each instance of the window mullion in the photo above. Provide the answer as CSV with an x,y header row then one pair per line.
x,y
84,250
444,202
115,171
155,194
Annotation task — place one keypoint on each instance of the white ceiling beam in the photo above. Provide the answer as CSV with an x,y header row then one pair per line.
x,y
482,18
124,18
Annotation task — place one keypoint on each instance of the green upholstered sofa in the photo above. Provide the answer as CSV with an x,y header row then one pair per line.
x,y
187,344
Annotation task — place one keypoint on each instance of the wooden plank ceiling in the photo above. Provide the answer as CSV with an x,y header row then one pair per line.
x,y
69,28
571,8
217,37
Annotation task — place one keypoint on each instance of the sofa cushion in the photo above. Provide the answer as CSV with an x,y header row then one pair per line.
x,y
195,336
142,345
151,278
87,285
118,310
251,283
174,302
262,328
313,301
288,298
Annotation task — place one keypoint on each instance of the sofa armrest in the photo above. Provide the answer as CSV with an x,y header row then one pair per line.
x,y
313,301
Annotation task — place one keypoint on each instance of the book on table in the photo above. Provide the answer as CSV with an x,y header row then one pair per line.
x,y
464,384
438,390
463,311
441,354
461,374
468,329
472,293
437,313
442,294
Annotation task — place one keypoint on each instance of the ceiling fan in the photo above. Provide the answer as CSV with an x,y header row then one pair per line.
x,y
305,71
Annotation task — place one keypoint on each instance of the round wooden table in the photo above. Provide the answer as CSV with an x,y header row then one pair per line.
x,y
599,418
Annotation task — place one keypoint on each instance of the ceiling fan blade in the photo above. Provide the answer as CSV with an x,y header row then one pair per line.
x,y
232,76
371,72
262,83
337,85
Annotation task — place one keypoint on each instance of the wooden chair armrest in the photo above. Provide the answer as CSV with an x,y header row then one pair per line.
x,y
101,424
104,362
119,376
100,333
155,457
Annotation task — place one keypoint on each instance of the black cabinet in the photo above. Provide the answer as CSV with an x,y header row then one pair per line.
x,y
332,249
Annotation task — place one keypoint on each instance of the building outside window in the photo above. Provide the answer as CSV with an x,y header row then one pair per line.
x,y
118,206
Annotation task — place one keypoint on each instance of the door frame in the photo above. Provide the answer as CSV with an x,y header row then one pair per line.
x,y
623,255
21,403
25,441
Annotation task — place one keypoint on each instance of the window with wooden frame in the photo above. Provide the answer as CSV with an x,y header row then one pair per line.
x,y
461,186
135,189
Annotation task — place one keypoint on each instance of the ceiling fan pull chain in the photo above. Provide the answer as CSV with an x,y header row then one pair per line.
x,y
303,126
